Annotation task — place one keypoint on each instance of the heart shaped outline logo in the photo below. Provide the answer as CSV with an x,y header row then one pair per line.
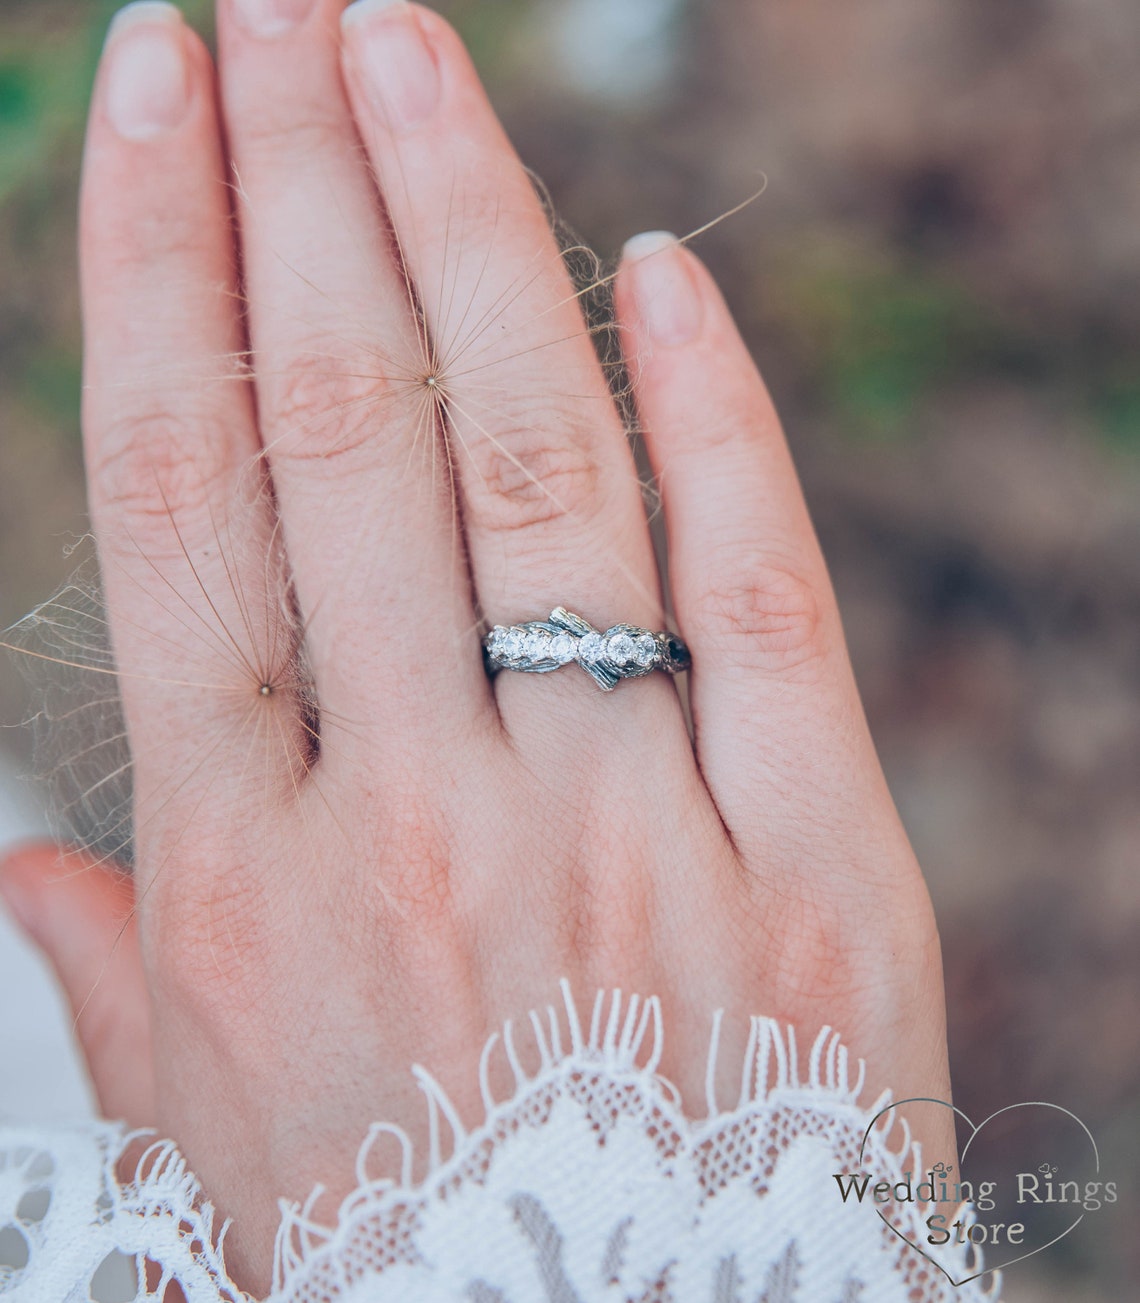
x,y
974,1130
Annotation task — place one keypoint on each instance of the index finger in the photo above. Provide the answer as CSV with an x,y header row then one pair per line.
x,y
169,433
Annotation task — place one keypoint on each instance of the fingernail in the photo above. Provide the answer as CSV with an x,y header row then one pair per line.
x,y
664,290
391,53
148,86
272,18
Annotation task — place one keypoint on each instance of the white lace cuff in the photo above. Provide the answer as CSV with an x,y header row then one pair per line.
x,y
589,1183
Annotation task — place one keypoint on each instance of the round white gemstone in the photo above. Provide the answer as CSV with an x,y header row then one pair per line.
x,y
621,648
645,653
538,644
562,648
513,643
495,640
590,647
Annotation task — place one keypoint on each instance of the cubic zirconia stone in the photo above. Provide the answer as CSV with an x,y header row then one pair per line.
x,y
645,653
537,645
495,640
590,647
620,648
513,644
562,648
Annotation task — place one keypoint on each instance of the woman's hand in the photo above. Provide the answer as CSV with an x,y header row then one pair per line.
x,y
370,854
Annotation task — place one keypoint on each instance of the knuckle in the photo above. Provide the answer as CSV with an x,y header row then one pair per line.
x,y
726,427
321,407
815,956
166,235
311,131
614,926
414,892
766,615
213,947
528,477
149,465
840,945
417,897
820,963
608,907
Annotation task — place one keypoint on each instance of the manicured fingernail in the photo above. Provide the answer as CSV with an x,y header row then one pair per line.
x,y
271,18
664,291
148,85
392,55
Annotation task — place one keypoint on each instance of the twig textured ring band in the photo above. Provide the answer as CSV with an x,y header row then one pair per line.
x,y
623,651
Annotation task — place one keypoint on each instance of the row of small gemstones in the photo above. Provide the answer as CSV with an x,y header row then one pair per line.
x,y
529,645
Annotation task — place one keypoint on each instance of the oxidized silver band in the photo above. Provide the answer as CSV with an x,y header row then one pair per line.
x,y
623,651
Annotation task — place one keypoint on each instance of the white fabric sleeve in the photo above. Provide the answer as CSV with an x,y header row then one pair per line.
x,y
590,1182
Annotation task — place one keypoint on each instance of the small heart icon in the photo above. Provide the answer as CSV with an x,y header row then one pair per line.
x,y
1020,1207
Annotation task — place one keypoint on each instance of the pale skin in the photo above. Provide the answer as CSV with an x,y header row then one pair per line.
x,y
476,855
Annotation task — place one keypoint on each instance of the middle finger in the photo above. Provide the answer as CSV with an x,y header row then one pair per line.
x,y
551,504
363,488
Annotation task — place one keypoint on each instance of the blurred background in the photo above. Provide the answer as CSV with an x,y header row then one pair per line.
x,y
941,283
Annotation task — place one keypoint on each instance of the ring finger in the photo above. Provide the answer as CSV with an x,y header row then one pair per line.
x,y
550,499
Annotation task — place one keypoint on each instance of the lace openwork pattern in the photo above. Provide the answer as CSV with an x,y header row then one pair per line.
x,y
588,1183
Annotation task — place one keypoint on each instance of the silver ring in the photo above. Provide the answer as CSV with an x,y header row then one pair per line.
x,y
623,651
